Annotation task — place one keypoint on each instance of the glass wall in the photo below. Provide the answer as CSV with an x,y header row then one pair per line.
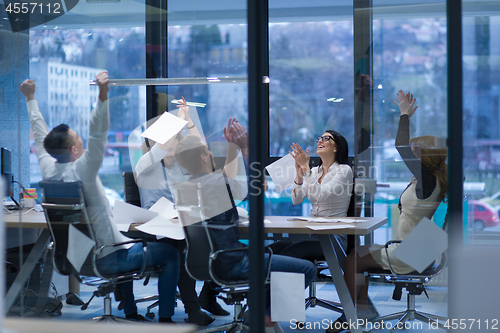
x,y
335,66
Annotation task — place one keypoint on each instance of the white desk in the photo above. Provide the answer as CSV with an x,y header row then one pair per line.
x,y
30,219
330,246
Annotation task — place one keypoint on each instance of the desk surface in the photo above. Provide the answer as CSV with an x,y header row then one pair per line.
x,y
29,325
279,224
286,224
29,219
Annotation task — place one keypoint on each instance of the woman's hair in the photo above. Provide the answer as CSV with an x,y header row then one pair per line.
x,y
433,155
342,148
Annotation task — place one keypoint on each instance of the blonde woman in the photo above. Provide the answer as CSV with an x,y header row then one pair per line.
x,y
427,162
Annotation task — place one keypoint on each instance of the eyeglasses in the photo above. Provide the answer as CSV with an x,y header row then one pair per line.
x,y
325,138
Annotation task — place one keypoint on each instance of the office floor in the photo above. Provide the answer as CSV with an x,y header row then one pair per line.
x,y
380,294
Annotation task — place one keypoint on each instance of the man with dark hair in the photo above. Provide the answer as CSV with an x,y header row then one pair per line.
x,y
156,171
62,158
58,143
218,192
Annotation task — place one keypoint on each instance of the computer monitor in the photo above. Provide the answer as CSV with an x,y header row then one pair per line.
x,y
6,170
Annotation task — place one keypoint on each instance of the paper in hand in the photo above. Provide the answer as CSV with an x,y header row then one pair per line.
x,y
282,172
165,128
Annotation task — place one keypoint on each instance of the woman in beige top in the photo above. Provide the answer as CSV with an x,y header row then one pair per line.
x,y
427,188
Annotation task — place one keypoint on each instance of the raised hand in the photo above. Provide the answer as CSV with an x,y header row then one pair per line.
x,y
405,103
236,133
301,157
102,80
28,88
184,111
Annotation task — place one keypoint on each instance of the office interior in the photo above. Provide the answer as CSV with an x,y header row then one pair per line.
x,y
288,71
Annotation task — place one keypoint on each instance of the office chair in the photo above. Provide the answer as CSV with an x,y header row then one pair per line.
x,y
64,206
320,262
414,282
201,255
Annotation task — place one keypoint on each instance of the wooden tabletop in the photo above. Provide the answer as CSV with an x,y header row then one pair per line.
x,y
30,325
290,224
275,224
29,219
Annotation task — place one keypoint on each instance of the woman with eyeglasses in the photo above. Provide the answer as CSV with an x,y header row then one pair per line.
x,y
327,186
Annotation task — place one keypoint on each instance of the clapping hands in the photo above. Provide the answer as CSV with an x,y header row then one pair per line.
x,y
301,157
235,133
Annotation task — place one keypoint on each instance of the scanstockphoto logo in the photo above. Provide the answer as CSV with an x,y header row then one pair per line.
x,y
23,15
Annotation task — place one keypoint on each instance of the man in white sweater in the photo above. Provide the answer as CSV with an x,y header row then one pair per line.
x,y
62,157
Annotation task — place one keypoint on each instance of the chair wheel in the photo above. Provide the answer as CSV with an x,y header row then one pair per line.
x,y
150,315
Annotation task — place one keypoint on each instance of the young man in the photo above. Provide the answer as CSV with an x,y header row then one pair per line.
x,y
62,158
156,171
218,192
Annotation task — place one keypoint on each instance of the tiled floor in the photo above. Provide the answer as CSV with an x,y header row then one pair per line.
x,y
380,293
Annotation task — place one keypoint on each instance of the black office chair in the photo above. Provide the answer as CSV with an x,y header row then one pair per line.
x,y
64,206
131,191
320,262
414,282
201,256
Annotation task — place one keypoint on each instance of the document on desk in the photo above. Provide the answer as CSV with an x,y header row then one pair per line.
x,y
125,214
330,226
282,172
164,128
329,219
162,227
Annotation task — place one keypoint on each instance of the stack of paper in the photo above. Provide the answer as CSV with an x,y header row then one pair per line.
x,y
159,220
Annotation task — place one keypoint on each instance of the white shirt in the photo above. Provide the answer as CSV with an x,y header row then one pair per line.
x,y
332,196
84,169
150,177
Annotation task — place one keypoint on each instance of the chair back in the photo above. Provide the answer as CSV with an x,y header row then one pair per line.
x,y
64,205
131,189
189,205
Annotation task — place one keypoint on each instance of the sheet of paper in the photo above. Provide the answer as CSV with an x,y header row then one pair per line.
x,y
287,297
334,220
164,128
242,212
125,214
424,244
163,227
79,247
330,226
247,222
282,172
165,208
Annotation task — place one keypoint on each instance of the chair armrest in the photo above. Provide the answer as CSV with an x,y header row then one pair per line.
x,y
386,246
391,242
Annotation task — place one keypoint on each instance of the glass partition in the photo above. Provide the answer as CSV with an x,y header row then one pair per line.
x,y
332,66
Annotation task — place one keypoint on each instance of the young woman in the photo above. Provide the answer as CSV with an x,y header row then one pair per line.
x,y
427,188
327,186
